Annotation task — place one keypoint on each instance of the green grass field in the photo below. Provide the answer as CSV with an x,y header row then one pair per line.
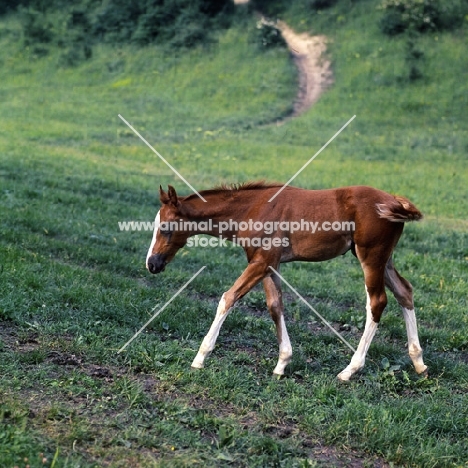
x,y
74,289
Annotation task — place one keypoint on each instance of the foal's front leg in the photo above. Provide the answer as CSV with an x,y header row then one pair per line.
x,y
209,341
254,273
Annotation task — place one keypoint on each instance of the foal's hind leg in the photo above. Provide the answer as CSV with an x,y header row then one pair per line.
x,y
403,292
254,273
375,305
274,300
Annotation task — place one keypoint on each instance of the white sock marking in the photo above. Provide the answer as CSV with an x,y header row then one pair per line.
x,y
414,348
359,357
155,235
285,349
209,341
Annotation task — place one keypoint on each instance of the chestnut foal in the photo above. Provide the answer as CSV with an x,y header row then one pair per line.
x,y
368,222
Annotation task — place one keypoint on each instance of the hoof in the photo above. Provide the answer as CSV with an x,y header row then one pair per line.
x,y
424,373
344,376
196,366
277,376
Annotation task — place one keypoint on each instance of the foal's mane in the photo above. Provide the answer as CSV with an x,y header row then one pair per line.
x,y
230,188
252,185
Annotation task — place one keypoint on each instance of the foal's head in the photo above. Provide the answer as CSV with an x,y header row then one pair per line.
x,y
167,239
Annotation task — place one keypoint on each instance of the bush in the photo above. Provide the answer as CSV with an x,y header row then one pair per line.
x,y
76,26
116,20
268,36
322,4
421,15
190,29
9,5
69,29
181,23
37,29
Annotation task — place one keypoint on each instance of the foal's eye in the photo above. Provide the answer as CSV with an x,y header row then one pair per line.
x,y
165,232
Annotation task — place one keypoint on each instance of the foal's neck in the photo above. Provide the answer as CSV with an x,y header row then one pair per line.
x,y
218,206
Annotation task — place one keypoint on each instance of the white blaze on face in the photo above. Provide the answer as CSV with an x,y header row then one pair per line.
x,y
155,234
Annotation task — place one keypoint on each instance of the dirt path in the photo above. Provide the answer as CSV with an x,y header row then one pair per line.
x,y
315,74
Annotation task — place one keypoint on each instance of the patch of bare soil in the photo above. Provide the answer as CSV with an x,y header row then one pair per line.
x,y
330,456
20,342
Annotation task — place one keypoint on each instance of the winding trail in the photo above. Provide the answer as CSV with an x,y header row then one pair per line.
x,y
315,74
308,52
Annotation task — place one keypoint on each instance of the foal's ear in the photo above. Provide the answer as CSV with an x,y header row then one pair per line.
x,y
163,195
169,197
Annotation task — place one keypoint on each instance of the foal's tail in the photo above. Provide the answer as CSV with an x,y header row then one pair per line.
x,y
399,210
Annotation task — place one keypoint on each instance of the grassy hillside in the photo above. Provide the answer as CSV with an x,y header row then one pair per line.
x,y
73,288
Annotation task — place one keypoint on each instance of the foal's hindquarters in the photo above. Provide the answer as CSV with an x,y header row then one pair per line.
x,y
374,249
376,302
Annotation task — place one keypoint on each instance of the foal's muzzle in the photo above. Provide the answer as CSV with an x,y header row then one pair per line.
x,y
156,263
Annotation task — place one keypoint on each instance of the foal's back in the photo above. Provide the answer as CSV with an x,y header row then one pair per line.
x,y
332,220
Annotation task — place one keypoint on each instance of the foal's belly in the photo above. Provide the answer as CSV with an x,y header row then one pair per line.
x,y
316,247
